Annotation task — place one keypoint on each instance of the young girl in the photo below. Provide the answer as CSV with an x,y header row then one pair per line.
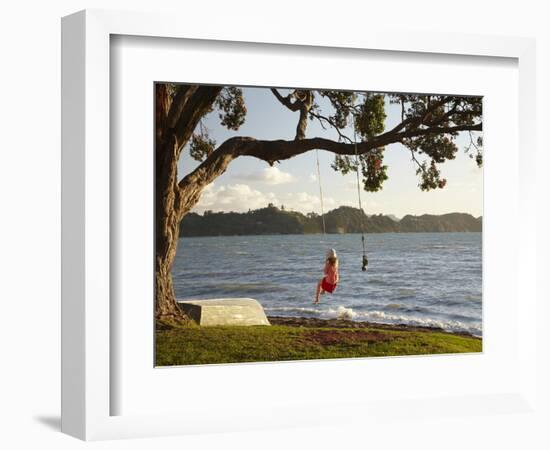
x,y
330,280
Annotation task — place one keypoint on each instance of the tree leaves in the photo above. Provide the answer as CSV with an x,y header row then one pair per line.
x,y
201,145
342,103
371,118
374,172
365,112
430,176
418,113
231,107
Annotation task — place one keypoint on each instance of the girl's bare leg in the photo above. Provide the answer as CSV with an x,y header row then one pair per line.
x,y
318,292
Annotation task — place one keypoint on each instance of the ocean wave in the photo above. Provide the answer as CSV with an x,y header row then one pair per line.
x,y
377,316
294,309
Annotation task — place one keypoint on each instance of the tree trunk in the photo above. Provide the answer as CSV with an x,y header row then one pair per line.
x,y
166,233
175,121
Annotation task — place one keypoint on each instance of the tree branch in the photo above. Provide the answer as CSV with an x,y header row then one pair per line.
x,y
331,123
472,143
303,101
181,98
192,110
390,137
419,119
415,160
286,100
217,162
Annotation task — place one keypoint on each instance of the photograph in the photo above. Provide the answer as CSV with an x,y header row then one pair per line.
x,y
317,225
296,223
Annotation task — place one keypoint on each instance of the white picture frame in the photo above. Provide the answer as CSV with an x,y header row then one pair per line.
x,y
87,385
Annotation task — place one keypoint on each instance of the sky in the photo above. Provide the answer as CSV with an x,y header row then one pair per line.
x,y
250,183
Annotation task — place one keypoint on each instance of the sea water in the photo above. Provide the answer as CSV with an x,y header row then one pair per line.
x,y
425,279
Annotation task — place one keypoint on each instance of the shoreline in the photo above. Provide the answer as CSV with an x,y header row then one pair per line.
x,y
332,233
313,322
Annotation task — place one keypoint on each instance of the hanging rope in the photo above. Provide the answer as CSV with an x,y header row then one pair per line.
x,y
357,162
320,191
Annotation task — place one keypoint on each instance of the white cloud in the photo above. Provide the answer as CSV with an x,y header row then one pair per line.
x,y
269,175
304,202
241,198
312,177
233,197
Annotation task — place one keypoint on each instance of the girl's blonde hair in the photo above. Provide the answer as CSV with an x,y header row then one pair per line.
x,y
333,260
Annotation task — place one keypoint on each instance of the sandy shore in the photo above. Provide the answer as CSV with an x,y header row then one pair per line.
x,y
343,323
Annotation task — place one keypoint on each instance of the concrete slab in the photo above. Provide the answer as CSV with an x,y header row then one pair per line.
x,y
225,311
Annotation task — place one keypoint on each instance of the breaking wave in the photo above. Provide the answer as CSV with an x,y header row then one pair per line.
x,y
382,317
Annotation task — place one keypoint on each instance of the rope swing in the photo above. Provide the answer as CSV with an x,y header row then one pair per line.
x,y
357,162
320,191
365,259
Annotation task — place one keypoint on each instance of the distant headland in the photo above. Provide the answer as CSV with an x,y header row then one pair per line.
x,y
345,219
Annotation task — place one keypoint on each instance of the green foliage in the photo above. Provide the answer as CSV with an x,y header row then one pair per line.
x,y
374,172
372,116
231,107
438,147
477,145
269,220
444,223
217,345
232,114
342,103
430,176
344,164
201,145
345,219
420,112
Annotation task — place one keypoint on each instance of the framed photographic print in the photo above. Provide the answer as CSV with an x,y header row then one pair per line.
x,y
263,228
279,231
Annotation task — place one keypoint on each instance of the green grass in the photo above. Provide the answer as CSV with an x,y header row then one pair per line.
x,y
218,345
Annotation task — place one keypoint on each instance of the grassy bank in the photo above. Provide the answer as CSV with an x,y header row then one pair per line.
x,y
215,345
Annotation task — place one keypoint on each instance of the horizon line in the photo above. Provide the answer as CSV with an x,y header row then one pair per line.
x,y
281,208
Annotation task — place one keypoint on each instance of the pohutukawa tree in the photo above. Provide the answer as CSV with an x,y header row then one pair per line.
x,y
428,130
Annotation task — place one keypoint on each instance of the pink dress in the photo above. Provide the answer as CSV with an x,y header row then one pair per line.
x,y
331,278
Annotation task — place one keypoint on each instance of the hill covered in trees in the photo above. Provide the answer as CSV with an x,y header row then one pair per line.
x,y
273,220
